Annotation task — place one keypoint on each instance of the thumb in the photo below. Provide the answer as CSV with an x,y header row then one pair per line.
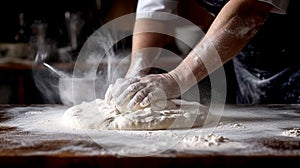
x,y
108,94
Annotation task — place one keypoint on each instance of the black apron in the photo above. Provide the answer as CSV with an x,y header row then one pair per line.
x,y
267,70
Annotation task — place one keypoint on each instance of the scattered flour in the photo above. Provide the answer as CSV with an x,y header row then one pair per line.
x,y
295,132
203,141
98,114
230,125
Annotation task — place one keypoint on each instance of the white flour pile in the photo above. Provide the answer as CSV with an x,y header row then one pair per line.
x,y
99,115
206,140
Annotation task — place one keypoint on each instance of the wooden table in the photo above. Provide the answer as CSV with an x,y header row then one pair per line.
x,y
29,138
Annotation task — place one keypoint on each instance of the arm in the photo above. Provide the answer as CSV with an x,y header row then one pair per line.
x,y
146,41
146,46
234,26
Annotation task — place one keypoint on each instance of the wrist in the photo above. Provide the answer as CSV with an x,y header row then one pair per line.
x,y
136,72
184,80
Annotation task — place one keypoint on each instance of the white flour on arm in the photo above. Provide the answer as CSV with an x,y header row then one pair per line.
x,y
98,114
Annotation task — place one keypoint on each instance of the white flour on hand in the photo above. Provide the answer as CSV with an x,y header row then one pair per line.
x,y
98,114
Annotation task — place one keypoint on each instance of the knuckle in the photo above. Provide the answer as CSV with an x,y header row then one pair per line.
x,y
151,97
133,87
139,96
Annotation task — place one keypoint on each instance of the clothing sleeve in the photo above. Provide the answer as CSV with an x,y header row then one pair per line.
x,y
280,6
156,9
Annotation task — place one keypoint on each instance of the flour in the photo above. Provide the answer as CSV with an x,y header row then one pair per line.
x,y
203,141
98,114
230,125
295,132
36,125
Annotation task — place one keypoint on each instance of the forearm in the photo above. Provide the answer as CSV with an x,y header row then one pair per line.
x,y
232,29
146,45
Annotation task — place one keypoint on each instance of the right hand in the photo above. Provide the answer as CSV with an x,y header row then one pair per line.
x,y
143,91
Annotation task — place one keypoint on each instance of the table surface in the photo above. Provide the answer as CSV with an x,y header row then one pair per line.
x,y
34,136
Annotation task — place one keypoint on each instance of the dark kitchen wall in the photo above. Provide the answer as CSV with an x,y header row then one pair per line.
x,y
51,12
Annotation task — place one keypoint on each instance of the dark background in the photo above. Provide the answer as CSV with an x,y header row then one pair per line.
x,y
52,12
17,84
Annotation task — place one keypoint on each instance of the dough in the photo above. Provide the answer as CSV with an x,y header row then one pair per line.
x,y
99,115
159,105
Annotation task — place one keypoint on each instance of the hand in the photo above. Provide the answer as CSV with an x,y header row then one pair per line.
x,y
143,91
115,89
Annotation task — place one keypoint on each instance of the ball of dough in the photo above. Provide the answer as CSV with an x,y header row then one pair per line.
x,y
158,105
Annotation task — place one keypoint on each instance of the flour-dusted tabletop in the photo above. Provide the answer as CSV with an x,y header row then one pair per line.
x,y
245,135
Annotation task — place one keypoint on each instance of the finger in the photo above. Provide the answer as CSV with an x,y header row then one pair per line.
x,y
120,85
108,94
145,102
155,97
129,92
137,98
148,100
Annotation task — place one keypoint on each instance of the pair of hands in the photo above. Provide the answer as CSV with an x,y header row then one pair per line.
x,y
142,91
